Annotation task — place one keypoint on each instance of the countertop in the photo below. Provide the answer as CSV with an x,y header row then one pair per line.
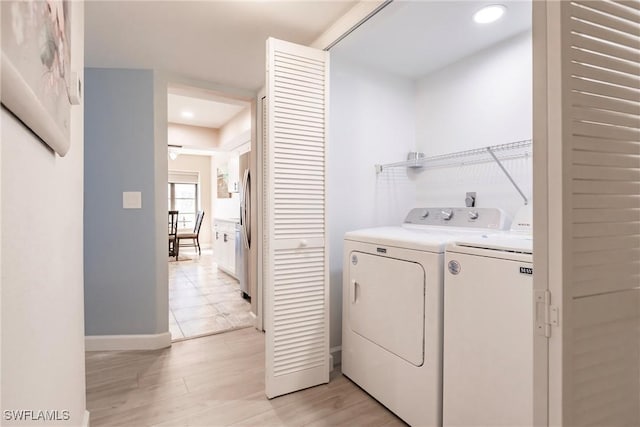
x,y
233,220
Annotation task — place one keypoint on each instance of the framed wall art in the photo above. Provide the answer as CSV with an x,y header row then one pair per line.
x,y
36,56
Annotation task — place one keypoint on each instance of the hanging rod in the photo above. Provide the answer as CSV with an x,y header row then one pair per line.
x,y
494,153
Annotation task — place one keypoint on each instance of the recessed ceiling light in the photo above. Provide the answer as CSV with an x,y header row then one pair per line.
x,y
489,13
187,114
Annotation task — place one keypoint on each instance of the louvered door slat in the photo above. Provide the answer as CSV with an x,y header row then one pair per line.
x,y
609,117
603,172
299,87
592,128
288,106
606,187
604,89
595,45
605,75
297,144
600,257
604,33
299,115
605,200
605,103
594,216
295,76
606,159
604,61
606,341
634,4
625,18
605,131
297,316
310,66
591,11
605,145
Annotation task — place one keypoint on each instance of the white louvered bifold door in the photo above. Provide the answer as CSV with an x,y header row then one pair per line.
x,y
297,282
593,202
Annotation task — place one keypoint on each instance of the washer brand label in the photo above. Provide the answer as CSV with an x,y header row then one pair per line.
x,y
354,260
454,267
381,250
526,270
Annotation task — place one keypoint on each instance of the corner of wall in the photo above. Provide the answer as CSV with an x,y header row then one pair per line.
x,y
161,84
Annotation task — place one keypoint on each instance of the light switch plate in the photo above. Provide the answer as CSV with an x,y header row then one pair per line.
x,y
131,200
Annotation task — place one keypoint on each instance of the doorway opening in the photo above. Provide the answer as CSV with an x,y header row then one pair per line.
x,y
209,138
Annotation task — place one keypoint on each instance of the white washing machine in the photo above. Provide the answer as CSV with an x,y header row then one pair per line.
x,y
489,330
392,307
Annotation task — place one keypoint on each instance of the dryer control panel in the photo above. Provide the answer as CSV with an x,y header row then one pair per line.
x,y
490,218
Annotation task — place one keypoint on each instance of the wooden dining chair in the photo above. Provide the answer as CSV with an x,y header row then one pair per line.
x,y
195,235
174,248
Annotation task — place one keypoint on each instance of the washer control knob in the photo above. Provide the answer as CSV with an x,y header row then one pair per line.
x,y
473,215
425,214
447,214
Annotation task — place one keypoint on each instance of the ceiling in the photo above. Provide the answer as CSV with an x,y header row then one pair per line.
x,y
206,113
223,41
214,41
413,38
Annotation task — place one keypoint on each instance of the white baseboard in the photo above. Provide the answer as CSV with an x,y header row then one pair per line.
x,y
85,419
336,354
127,342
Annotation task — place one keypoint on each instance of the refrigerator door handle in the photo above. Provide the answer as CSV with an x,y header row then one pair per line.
x,y
247,207
243,210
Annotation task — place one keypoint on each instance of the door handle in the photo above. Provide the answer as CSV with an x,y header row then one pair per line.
x,y
354,291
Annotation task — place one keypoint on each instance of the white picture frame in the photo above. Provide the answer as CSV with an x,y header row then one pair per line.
x,y
36,58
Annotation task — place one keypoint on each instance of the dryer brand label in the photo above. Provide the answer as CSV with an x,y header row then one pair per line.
x,y
526,270
381,250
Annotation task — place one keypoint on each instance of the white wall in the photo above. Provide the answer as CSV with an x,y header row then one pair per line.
x,y
481,100
193,136
201,165
236,131
42,272
372,121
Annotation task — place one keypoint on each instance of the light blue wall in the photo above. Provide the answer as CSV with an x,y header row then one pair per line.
x,y
120,268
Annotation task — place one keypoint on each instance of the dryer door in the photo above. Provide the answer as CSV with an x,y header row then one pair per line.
x,y
387,299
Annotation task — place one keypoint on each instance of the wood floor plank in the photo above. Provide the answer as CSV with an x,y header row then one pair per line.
x,y
215,381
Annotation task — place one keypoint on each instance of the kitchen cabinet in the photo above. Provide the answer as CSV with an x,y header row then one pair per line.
x,y
224,245
233,166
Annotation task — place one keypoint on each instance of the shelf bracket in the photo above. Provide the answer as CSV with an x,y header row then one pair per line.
x,y
508,175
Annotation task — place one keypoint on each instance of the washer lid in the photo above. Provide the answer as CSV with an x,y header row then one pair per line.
x,y
429,239
501,244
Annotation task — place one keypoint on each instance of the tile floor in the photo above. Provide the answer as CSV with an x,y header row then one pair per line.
x,y
203,299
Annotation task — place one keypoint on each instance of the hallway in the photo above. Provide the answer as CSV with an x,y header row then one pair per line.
x,y
202,299
214,381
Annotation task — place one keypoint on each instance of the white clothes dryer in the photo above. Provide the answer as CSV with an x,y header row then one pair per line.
x,y
489,330
392,307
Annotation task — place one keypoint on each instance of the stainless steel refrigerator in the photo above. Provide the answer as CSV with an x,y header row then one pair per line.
x,y
243,234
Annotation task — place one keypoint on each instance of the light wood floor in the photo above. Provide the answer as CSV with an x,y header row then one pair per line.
x,y
215,381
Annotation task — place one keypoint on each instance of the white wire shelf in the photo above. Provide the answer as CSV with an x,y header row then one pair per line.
x,y
494,153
